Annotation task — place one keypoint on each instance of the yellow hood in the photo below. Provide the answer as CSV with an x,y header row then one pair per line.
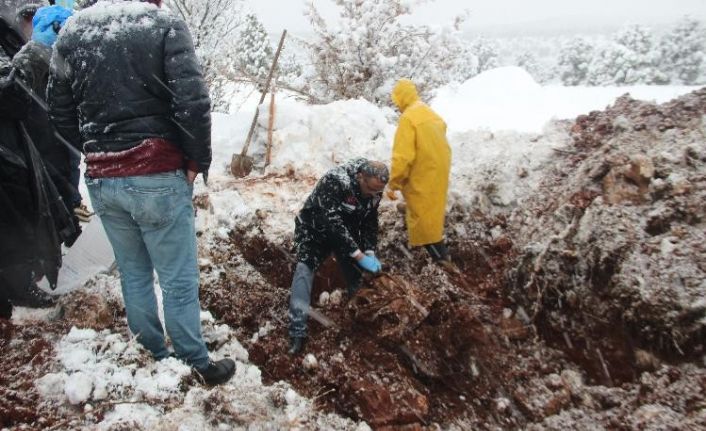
x,y
404,94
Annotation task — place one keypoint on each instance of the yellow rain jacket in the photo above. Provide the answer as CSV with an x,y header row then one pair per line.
x,y
421,160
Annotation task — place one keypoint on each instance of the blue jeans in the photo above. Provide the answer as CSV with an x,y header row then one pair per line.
x,y
149,221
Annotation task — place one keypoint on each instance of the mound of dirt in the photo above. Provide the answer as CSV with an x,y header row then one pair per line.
x,y
613,244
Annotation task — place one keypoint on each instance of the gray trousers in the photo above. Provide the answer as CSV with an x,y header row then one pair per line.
x,y
300,296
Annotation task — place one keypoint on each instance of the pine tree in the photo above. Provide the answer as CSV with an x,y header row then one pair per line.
x,y
628,58
486,53
610,65
574,60
528,61
682,51
254,53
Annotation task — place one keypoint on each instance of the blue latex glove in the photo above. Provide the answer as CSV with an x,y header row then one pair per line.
x,y
47,22
370,264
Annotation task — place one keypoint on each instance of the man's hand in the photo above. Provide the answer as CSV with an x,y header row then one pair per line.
x,y
82,213
392,194
191,176
368,261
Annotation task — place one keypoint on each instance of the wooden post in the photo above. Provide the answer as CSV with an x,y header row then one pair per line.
x,y
270,126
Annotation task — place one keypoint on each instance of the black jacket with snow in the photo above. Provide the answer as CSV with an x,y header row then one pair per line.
x,y
33,217
124,72
32,66
337,213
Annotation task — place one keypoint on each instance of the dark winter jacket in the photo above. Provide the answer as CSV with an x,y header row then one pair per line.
x,y
32,66
337,213
33,216
126,72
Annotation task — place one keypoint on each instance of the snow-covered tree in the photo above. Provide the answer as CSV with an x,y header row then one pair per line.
x,y
486,54
371,48
629,58
215,28
642,63
254,52
574,60
682,51
528,61
610,65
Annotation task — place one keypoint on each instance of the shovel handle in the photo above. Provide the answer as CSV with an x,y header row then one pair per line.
x,y
263,93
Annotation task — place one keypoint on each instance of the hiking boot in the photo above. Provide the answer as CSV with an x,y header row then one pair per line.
x,y
217,372
295,345
33,297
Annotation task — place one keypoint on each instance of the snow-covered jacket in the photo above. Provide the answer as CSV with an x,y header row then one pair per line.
x,y
33,219
125,72
421,161
337,213
32,66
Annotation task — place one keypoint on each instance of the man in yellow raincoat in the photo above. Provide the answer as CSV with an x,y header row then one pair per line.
x,y
421,160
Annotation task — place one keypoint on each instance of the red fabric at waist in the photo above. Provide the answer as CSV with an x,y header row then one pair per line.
x,y
152,156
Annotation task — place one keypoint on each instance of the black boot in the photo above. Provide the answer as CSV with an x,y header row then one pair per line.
x,y
32,297
5,309
218,372
437,251
295,345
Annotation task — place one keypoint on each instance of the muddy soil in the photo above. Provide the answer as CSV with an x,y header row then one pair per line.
x,y
613,262
27,352
18,398
420,345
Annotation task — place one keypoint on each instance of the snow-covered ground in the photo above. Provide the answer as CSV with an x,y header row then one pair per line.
x,y
498,129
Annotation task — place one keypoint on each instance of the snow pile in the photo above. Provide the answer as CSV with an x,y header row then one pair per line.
x,y
118,384
517,104
507,98
308,138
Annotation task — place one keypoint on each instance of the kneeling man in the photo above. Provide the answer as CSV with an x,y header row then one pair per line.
x,y
341,217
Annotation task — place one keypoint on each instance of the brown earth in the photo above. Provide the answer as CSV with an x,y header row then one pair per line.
x,y
413,347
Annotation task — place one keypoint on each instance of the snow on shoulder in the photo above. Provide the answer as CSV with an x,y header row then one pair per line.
x,y
116,16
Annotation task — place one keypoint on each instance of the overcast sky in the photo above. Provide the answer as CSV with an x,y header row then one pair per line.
x,y
503,15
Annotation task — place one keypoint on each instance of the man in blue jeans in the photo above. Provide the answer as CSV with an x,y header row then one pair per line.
x,y
126,85
339,217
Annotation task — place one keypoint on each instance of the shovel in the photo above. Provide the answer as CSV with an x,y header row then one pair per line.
x,y
241,164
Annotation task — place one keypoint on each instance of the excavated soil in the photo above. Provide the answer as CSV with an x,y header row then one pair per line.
x,y
415,346
614,261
